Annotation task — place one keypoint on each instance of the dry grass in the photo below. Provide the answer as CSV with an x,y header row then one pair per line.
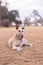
x,y
28,56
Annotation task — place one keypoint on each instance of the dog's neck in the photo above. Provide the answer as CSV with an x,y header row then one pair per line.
x,y
18,38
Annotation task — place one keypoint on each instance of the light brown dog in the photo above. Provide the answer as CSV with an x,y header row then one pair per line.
x,y
17,41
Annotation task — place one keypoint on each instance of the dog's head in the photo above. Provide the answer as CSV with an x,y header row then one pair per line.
x,y
19,32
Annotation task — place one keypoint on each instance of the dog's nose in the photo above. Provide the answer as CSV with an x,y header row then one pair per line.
x,y
22,36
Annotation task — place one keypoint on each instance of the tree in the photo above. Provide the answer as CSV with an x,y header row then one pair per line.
x,y
16,13
36,14
3,10
12,15
0,3
5,22
18,22
27,21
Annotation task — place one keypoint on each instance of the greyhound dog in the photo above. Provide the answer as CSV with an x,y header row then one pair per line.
x,y
18,41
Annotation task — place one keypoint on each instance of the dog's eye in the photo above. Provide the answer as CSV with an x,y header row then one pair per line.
x,y
22,27
19,31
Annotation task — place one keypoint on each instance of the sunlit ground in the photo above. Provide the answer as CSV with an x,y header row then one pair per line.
x,y
28,56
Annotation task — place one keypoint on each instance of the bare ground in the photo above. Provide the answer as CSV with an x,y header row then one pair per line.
x,y
28,56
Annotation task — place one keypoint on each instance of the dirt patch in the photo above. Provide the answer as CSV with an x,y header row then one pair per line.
x,y
28,56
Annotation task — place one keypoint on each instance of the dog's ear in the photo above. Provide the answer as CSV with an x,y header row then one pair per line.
x,y
17,27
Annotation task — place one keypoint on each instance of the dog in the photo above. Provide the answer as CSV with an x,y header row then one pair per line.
x,y
18,41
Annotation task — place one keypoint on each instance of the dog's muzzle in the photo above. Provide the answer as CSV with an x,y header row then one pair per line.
x,y
20,37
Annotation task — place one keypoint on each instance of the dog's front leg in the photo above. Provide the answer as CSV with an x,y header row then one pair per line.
x,y
25,42
28,44
17,48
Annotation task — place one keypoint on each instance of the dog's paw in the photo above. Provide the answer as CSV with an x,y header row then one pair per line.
x,y
30,45
19,48
14,47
